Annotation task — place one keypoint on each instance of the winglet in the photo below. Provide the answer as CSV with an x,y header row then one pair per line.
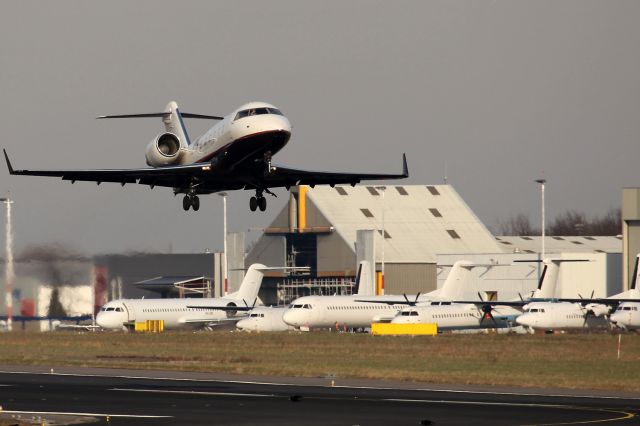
x,y
6,157
405,168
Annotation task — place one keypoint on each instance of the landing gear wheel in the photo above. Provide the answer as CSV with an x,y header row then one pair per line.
x,y
262,203
195,203
186,203
253,204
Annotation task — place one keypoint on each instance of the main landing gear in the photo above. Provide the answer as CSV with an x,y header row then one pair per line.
x,y
191,201
258,202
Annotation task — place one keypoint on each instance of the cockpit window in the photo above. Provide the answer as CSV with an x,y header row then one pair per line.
x,y
119,310
256,111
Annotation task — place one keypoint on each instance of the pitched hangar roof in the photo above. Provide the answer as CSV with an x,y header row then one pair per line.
x,y
420,221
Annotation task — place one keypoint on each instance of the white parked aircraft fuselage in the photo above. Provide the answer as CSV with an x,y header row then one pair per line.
x,y
174,312
179,313
264,319
558,316
327,311
627,315
456,316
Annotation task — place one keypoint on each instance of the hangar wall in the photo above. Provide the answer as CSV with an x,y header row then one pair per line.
x,y
409,278
630,232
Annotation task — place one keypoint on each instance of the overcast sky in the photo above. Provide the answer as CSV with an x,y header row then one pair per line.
x,y
498,91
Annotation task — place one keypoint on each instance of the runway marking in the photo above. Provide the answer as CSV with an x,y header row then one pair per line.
x,y
259,395
180,379
625,414
63,413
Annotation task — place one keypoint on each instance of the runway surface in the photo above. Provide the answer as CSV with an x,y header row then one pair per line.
x,y
161,398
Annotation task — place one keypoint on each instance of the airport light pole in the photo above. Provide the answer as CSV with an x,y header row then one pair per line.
x,y
383,190
224,229
542,182
9,273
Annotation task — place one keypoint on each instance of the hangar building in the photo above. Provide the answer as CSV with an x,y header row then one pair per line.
x,y
319,228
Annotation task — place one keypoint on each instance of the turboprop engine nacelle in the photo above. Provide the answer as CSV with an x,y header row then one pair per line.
x,y
164,150
598,309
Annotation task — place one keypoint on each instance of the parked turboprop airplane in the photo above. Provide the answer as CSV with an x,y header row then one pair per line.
x,y
179,313
270,318
579,313
450,315
626,316
264,318
357,311
233,154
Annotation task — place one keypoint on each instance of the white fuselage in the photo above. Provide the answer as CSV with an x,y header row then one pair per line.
x,y
174,312
233,130
627,315
456,316
264,319
558,316
329,311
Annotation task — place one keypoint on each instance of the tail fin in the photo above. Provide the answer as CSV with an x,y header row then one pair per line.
x,y
364,282
634,280
173,123
548,284
250,286
172,119
458,278
548,281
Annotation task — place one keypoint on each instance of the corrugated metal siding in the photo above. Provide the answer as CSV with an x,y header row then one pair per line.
x,y
334,255
409,278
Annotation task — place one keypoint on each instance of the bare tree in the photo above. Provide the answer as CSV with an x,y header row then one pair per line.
x,y
518,225
571,222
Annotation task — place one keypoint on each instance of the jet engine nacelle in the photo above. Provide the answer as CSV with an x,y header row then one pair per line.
x,y
598,309
164,150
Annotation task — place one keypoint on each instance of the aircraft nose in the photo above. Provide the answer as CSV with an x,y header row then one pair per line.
x,y
291,317
101,320
525,320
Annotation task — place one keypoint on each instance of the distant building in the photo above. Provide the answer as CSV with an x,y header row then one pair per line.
x,y
319,226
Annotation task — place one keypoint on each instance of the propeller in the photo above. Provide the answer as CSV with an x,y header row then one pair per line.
x,y
253,305
410,303
487,311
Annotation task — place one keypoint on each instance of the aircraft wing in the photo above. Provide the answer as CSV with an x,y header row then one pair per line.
x,y
224,308
210,179
170,176
213,322
285,176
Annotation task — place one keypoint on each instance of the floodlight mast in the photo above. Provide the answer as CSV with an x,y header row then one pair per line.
x,y
383,190
9,273
542,183
224,230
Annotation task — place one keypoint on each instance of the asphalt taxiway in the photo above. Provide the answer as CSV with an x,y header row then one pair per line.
x,y
119,397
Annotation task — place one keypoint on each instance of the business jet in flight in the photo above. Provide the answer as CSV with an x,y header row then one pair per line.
x,y
234,154
184,313
356,311
572,314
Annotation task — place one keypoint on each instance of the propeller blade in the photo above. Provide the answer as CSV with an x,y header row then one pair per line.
x,y
406,298
521,299
592,293
417,296
480,296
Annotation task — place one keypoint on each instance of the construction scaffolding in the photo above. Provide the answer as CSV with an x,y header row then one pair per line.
x,y
290,289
